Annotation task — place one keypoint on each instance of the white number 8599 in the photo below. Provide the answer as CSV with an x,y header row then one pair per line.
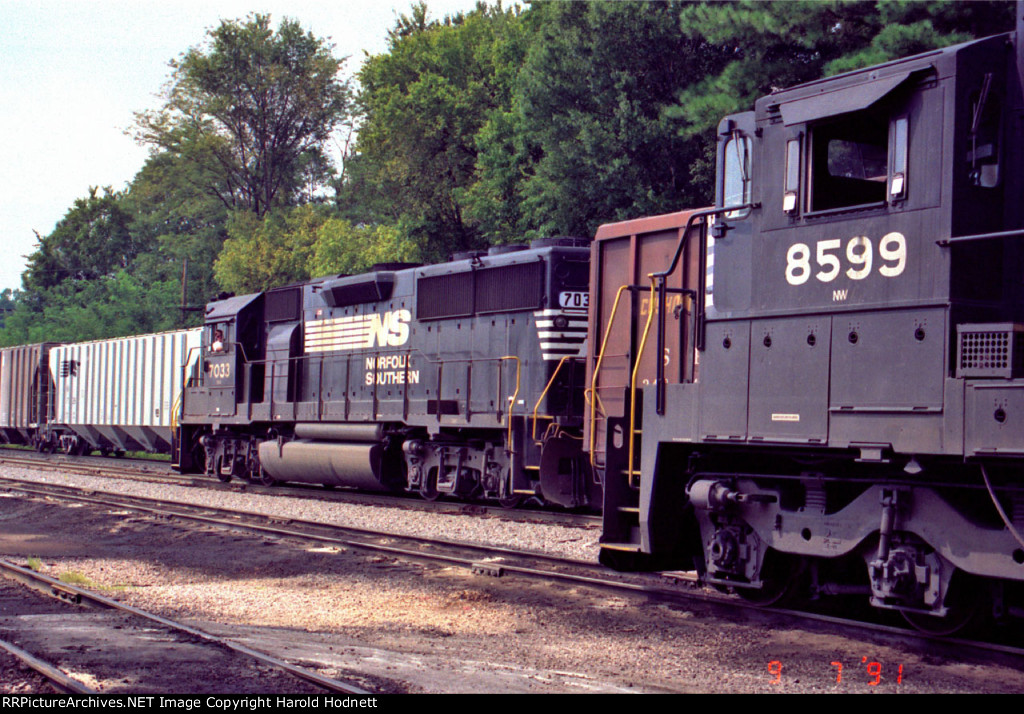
x,y
859,255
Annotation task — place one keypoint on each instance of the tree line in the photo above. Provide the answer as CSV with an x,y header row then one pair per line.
x,y
495,126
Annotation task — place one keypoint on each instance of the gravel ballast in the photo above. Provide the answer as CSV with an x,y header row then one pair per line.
x,y
396,626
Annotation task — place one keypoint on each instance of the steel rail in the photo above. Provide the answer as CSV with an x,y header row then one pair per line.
x,y
57,677
34,579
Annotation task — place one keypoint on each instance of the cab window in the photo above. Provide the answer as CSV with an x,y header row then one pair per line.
x,y
849,162
736,179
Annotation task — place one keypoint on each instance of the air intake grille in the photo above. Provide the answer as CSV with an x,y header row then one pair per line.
x,y
995,350
503,288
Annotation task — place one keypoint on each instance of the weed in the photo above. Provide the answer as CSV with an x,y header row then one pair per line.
x,y
72,578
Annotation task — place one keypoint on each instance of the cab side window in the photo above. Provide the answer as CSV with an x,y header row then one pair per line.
x,y
849,162
736,176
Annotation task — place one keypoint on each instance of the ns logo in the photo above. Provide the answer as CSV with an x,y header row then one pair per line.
x,y
358,332
390,329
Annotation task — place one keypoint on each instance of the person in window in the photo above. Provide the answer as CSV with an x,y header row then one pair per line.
x,y
218,341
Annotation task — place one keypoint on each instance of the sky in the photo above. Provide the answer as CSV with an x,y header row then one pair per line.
x,y
73,73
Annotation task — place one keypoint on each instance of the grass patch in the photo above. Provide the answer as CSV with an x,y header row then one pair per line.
x,y
34,564
148,456
72,578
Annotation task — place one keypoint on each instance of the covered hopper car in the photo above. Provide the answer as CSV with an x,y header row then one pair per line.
x,y
111,395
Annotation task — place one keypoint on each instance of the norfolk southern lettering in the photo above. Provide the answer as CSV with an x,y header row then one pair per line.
x,y
390,369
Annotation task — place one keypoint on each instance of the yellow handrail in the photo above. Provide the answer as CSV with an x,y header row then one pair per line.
x,y
632,385
512,399
174,411
545,392
597,368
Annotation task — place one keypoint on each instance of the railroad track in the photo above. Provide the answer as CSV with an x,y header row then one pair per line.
x,y
147,471
55,676
117,628
498,562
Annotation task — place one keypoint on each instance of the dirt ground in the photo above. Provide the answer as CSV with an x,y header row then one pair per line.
x,y
396,626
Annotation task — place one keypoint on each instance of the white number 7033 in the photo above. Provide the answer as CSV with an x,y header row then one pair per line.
x,y
859,254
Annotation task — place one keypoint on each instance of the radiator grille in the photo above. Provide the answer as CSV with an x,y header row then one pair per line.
x,y
506,288
995,350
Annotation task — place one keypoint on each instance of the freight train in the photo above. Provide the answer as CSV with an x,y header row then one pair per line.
x,y
817,385
814,387
462,379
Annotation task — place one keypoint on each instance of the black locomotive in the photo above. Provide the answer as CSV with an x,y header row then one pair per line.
x,y
463,378
837,401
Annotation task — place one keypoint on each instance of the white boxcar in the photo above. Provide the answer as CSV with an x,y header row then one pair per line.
x,y
119,394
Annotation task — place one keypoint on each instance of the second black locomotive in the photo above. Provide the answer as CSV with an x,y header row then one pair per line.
x,y
463,378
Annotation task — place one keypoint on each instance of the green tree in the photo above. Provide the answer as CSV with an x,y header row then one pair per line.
x,y
588,139
92,240
341,247
773,45
422,104
8,301
100,273
179,222
264,252
251,112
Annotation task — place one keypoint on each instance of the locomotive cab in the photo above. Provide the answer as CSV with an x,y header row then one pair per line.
x,y
226,381
855,421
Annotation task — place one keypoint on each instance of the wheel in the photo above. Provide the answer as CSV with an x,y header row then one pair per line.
x,y
969,605
266,479
219,472
428,489
783,578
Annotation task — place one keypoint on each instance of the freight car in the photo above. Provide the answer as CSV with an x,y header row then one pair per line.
x,y
821,389
25,389
464,378
112,395
119,394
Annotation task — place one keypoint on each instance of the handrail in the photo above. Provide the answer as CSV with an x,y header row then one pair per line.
x,y
597,368
632,387
659,285
512,399
174,411
944,242
686,232
426,358
698,311
543,394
